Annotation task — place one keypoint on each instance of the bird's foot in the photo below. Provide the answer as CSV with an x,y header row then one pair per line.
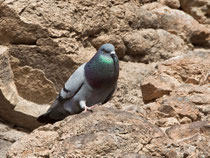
x,y
89,108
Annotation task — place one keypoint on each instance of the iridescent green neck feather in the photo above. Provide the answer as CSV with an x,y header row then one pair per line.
x,y
102,70
105,59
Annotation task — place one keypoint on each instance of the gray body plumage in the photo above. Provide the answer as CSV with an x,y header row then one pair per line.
x,y
87,86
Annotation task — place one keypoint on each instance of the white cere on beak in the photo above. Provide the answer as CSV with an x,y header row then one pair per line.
x,y
113,52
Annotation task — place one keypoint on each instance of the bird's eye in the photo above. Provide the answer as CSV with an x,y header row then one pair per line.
x,y
105,51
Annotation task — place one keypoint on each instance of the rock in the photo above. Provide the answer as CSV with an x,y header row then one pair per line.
x,y
199,9
190,139
167,122
151,45
105,132
47,40
175,4
134,155
186,103
14,108
115,40
178,107
185,93
128,94
186,131
4,145
185,120
197,94
34,47
57,67
8,136
174,21
153,88
21,33
191,68
118,18
33,85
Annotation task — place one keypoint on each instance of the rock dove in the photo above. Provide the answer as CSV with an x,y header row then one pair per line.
x,y
92,83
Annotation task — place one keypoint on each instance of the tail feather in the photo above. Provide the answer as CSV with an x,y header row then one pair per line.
x,y
45,118
55,113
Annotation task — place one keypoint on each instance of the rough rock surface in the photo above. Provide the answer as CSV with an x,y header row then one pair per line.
x,y
105,132
8,135
153,45
110,133
199,9
177,90
128,95
14,108
191,68
43,42
175,4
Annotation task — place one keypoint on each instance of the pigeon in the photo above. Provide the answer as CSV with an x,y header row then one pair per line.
x,y
92,83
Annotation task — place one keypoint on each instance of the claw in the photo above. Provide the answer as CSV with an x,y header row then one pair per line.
x,y
88,109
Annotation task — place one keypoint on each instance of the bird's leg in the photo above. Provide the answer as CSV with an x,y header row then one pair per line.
x,y
88,109
85,107
91,108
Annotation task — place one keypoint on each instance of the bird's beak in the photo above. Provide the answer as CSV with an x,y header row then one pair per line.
x,y
113,54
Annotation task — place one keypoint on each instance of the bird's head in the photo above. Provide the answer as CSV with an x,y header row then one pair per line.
x,y
107,49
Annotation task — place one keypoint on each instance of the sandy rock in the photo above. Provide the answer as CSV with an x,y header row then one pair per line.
x,y
175,4
101,22
105,132
4,145
191,68
178,107
32,46
199,9
199,95
48,40
153,45
187,103
128,94
188,99
15,31
167,122
174,21
115,40
186,131
8,135
185,120
57,67
191,139
14,108
156,87
33,85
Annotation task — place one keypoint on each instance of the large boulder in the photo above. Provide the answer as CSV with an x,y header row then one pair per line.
x,y
128,94
151,45
14,108
192,68
47,40
112,133
105,132
199,9
155,15
177,90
